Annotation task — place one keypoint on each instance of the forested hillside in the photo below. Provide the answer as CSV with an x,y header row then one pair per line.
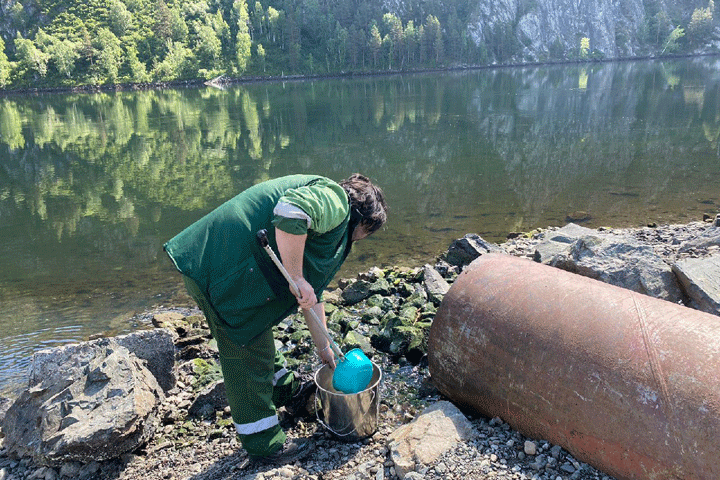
x,y
48,43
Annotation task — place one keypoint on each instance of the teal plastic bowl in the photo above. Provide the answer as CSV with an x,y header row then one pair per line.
x,y
353,374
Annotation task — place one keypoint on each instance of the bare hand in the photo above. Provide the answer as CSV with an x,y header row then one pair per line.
x,y
327,356
307,298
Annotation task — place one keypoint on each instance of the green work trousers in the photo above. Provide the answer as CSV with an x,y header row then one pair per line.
x,y
256,382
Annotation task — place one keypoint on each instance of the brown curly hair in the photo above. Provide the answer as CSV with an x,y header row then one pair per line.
x,y
368,200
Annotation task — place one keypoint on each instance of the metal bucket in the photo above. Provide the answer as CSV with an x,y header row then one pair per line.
x,y
349,416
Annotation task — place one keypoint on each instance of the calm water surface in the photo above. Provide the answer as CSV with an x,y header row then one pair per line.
x,y
91,186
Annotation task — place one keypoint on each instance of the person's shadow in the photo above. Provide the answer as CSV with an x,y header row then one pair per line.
x,y
238,466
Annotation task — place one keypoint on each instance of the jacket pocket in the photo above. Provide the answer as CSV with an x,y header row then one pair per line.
x,y
240,293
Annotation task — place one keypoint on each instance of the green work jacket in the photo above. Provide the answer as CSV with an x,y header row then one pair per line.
x,y
220,252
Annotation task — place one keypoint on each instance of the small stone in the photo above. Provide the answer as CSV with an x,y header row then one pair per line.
x,y
286,472
530,448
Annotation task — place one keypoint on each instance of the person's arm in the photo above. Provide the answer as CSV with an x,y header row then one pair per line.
x,y
319,339
292,248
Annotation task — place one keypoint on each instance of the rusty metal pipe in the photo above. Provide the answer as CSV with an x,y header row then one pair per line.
x,y
627,383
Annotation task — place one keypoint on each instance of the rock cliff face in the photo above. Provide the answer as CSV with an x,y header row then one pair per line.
x,y
615,29
522,31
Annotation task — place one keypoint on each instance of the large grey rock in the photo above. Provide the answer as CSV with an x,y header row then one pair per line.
x,y
700,279
435,285
155,347
466,249
559,242
362,289
436,430
95,404
616,259
708,238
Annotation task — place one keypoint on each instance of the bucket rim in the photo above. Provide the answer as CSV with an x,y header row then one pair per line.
x,y
370,386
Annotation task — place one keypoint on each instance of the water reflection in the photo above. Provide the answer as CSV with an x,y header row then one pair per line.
x,y
92,185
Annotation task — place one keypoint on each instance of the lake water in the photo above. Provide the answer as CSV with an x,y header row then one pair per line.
x,y
92,185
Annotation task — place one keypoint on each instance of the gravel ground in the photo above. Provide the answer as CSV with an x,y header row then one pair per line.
x,y
208,449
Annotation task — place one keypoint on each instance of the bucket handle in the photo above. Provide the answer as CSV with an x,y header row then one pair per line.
x,y
317,416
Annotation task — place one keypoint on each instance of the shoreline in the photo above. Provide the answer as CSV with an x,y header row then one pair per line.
x,y
187,447
223,81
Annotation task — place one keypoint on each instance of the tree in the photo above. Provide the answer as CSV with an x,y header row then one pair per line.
x,y
411,43
31,57
175,61
701,22
110,54
138,70
272,19
375,43
258,15
63,53
243,41
261,56
178,28
584,47
120,19
433,39
4,65
394,37
671,44
163,21
208,47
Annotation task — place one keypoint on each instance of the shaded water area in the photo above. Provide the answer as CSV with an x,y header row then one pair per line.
x,y
92,185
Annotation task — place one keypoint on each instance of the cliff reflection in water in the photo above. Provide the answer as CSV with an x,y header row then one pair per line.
x,y
92,185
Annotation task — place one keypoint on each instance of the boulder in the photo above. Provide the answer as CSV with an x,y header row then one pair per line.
x,y
436,430
464,250
616,259
155,347
435,285
559,242
354,339
708,238
700,280
362,289
87,402
210,400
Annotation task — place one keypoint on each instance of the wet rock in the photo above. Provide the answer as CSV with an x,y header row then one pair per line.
x,y
464,250
100,403
700,279
578,216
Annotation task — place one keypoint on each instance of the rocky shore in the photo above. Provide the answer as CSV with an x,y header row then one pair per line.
x,y
180,428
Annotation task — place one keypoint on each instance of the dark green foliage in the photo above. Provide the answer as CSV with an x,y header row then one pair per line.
x,y
80,42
